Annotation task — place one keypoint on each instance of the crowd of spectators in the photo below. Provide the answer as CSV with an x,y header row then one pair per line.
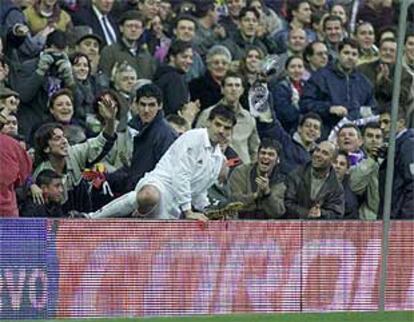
x,y
94,92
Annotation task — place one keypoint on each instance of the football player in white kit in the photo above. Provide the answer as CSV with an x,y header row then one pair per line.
x,y
177,187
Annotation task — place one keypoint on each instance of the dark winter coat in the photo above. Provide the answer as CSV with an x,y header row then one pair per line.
x,y
205,89
402,205
328,87
150,144
298,191
174,87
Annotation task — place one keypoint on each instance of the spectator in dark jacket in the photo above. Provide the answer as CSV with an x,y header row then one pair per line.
x,y
184,29
247,35
402,204
170,78
297,147
153,133
98,16
299,17
383,67
51,184
313,190
333,33
86,87
341,167
230,22
287,92
13,27
378,13
338,90
207,88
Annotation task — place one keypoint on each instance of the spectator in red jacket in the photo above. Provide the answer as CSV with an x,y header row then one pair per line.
x,y
15,167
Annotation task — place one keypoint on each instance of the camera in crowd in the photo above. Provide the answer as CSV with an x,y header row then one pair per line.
x,y
53,71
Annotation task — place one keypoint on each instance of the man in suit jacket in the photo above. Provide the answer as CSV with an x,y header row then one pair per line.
x,y
98,16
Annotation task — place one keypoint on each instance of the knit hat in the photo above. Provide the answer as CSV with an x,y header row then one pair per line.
x,y
84,33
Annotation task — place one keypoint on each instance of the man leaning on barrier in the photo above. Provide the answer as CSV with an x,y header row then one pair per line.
x,y
179,182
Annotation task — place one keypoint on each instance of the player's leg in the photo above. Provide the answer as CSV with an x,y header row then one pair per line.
x,y
120,207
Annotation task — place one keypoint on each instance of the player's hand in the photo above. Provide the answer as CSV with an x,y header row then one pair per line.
x,y
191,215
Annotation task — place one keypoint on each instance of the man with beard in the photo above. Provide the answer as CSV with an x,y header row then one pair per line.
x,y
313,190
260,186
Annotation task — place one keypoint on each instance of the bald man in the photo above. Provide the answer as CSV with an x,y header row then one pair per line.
x,y
313,190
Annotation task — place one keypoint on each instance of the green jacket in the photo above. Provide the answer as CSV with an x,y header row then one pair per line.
x,y
121,153
142,61
266,207
76,161
364,182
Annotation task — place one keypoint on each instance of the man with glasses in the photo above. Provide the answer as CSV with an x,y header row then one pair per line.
x,y
316,56
128,48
